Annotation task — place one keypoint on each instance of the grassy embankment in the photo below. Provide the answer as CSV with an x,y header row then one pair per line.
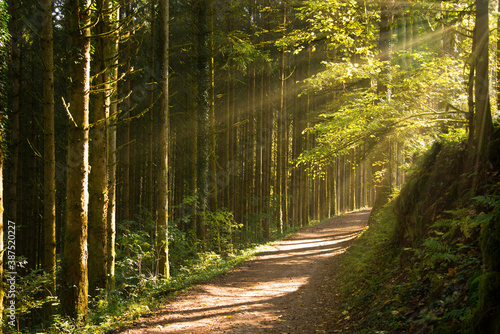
x,y
428,263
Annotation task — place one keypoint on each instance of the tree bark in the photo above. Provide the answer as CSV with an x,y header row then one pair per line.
x,y
49,175
98,205
74,292
203,114
127,178
213,190
112,149
1,222
482,123
151,144
15,60
163,181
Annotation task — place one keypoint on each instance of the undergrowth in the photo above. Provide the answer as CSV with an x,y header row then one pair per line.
x,y
138,289
429,285
117,308
430,288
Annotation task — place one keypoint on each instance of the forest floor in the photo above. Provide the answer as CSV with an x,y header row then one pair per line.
x,y
288,289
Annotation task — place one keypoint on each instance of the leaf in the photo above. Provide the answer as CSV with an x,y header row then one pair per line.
x,y
434,245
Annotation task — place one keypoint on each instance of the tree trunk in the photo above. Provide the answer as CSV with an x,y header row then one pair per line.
x,y
112,150
74,292
384,43
203,114
498,61
15,61
213,143
111,218
49,175
282,168
98,186
163,181
151,144
1,219
3,104
127,179
482,122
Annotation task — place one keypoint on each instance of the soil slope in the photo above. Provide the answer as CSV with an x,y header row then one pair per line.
x,y
288,289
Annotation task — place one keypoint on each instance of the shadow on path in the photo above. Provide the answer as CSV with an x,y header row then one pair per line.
x,y
284,290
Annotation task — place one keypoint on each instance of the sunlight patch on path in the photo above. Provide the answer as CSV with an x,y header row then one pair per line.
x,y
256,295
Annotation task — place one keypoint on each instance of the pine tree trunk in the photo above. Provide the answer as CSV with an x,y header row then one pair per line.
x,y
213,189
74,292
482,126
1,221
497,64
111,218
282,168
163,181
15,61
267,157
127,178
112,151
150,158
98,206
296,133
49,185
203,114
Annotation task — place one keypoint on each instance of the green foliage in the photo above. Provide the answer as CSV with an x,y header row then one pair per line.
x,y
4,37
239,50
344,24
31,298
221,228
409,290
135,250
119,307
433,285
138,288
361,117
432,189
4,31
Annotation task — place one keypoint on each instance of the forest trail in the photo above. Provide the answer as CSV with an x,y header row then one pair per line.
x,y
287,289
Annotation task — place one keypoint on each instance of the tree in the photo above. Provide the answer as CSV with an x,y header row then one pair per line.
x,y
49,198
74,292
163,175
1,212
150,160
111,143
98,206
4,35
203,112
112,153
15,60
127,212
480,122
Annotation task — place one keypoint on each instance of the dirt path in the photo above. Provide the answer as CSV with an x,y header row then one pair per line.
x,y
284,290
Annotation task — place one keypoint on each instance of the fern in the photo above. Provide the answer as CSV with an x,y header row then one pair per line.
x,y
444,257
490,201
444,223
434,246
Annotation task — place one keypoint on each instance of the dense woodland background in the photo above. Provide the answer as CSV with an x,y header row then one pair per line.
x,y
275,114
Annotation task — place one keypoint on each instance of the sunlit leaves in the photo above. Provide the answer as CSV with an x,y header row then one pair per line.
x,y
344,24
239,50
422,99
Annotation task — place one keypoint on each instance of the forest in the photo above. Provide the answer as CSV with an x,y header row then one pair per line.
x,y
143,140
